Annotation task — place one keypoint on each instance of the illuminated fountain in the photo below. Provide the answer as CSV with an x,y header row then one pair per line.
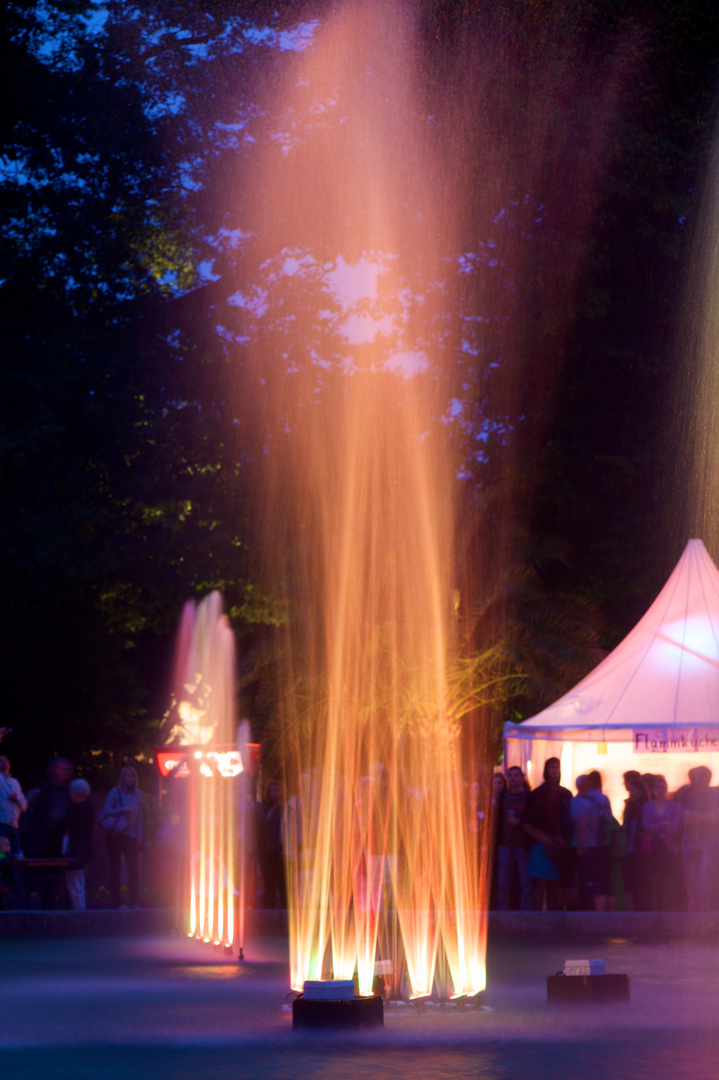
x,y
201,753
375,731
372,342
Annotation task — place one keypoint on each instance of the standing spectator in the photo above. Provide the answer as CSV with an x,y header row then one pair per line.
x,y
648,779
29,839
590,814
548,824
499,786
50,820
12,803
700,819
78,842
475,823
247,819
660,830
270,814
476,816
512,848
634,886
51,807
121,819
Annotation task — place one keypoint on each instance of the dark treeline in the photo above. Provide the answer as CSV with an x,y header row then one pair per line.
x,y
129,451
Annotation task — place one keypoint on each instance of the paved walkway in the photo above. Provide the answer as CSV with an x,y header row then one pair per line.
x,y
60,924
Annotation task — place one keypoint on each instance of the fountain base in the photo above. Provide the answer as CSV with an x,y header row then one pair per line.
x,y
357,1013
587,989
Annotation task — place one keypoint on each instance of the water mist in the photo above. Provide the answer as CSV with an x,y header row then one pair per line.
x,y
367,383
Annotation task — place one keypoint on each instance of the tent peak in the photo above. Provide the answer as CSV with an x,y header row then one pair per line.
x,y
665,672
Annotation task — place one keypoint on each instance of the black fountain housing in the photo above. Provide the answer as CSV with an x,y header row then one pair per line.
x,y
585,982
333,1004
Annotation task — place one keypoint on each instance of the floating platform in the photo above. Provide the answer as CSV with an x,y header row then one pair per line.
x,y
587,989
356,1014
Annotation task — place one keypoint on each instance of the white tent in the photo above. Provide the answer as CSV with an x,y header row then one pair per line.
x,y
651,705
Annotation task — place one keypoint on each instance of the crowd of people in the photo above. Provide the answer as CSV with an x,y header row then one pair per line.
x,y
552,848
57,820
555,850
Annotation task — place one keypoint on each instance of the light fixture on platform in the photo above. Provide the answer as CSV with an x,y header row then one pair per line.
x,y
331,1003
585,982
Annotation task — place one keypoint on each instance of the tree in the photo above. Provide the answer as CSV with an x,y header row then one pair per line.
x,y
130,432
119,449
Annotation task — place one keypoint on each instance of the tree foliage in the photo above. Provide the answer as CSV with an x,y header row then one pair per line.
x,y
128,444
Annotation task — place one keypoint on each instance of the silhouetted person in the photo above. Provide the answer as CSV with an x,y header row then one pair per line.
x,y
269,836
635,887
590,813
50,819
701,821
661,819
513,842
247,821
547,823
29,840
78,842
499,786
12,803
53,803
121,819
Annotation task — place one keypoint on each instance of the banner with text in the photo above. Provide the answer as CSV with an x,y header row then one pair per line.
x,y
685,739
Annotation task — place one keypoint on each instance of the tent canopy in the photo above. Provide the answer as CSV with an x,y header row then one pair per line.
x,y
661,683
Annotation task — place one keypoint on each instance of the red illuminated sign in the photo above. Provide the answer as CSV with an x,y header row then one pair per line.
x,y
177,761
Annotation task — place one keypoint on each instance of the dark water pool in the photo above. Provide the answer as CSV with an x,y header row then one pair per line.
x,y
152,1009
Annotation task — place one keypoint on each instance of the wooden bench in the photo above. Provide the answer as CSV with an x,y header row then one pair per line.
x,y
42,870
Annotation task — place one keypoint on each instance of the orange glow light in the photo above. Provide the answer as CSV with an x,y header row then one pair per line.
x,y
380,730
